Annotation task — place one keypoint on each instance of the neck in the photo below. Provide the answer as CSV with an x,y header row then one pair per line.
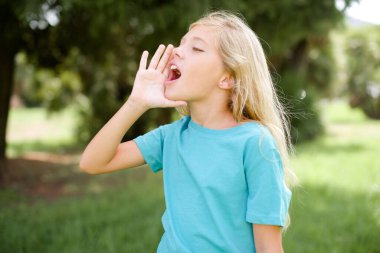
x,y
211,115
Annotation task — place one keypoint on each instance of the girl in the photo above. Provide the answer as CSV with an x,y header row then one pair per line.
x,y
225,163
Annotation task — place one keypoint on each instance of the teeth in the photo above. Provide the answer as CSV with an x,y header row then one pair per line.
x,y
173,67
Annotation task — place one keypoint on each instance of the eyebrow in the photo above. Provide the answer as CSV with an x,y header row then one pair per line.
x,y
193,38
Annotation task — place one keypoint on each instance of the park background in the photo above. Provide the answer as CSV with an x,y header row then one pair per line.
x,y
68,65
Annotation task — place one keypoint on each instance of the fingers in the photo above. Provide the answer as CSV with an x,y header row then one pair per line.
x,y
157,62
156,57
166,68
165,58
144,58
166,71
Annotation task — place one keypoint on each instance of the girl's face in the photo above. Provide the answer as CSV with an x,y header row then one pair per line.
x,y
196,66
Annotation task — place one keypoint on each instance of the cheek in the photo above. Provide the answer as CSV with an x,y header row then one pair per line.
x,y
206,73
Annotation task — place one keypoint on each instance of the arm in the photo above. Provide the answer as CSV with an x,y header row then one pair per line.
x,y
105,153
268,239
268,197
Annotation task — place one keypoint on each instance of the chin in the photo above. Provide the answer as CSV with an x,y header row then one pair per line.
x,y
172,96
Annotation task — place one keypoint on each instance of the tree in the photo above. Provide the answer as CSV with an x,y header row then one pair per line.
x,y
363,68
11,42
100,42
298,42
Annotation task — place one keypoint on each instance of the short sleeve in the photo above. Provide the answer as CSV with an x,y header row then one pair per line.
x,y
268,196
151,146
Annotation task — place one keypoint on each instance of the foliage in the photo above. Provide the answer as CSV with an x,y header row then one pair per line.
x,y
363,50
304,117
100,42
322,69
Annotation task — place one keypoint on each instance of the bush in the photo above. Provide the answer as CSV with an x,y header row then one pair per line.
x,y
363,67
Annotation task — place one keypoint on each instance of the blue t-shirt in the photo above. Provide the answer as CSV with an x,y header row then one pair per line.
x,y
216,184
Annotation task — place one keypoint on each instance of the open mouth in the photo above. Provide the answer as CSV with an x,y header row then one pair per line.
x,y
174,73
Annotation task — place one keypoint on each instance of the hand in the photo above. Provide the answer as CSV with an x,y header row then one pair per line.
x,y
148,88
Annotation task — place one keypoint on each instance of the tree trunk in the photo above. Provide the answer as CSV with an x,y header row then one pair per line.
x,y
7,64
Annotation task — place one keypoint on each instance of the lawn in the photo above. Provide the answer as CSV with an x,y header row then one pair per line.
x,y
336,207
50,206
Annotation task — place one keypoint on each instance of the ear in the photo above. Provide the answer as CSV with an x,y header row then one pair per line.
x,y
227,82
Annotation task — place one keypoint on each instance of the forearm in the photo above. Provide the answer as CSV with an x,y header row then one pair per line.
x,y
268,239
273,249
102,147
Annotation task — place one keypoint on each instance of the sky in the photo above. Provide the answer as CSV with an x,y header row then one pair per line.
x,y
365,10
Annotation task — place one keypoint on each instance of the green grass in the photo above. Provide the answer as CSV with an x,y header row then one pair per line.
x,y
125,218
335,208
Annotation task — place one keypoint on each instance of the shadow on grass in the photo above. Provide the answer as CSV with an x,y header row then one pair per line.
x,y
324,146
40,174
334,148
327,219
46,176
19,148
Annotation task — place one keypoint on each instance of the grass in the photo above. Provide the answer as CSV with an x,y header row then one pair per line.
x,y
34,129
121,219
335,208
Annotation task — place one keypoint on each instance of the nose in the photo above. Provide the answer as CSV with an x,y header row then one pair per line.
x,y
177,52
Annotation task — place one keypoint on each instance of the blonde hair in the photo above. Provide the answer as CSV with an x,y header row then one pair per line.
x,y
253,95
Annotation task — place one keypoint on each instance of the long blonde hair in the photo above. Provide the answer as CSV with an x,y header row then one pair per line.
x,y
253,95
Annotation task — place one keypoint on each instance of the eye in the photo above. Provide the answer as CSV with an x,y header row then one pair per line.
x,y
197,49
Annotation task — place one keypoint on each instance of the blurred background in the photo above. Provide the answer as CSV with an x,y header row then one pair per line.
x,y
66,66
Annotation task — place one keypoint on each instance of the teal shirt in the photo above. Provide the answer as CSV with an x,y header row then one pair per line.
x,y
216,184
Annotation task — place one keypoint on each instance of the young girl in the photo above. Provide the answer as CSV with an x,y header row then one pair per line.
x,y
225,162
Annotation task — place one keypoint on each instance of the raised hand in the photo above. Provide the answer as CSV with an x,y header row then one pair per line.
x,y
148,88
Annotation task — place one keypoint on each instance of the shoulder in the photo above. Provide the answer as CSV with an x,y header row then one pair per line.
x,y
179,122
261,152
258,138
256,133
175,125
